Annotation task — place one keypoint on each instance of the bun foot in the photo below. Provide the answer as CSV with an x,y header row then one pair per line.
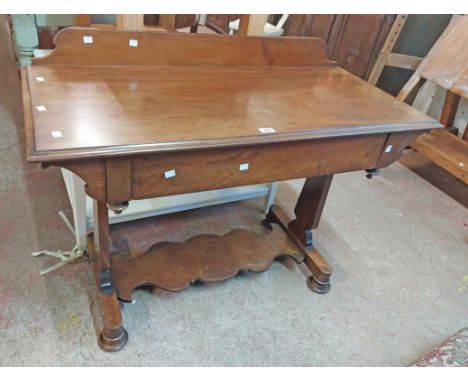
x,y
318,286
111,344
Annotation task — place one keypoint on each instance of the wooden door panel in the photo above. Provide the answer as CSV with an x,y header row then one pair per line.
x,y
354,41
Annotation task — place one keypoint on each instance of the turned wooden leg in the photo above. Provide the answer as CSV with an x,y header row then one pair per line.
x,y
308,211
113,336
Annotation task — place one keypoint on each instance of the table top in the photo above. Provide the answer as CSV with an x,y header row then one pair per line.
x,y
83,110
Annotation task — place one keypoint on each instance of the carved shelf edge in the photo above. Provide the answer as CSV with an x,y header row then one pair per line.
x,y
206,258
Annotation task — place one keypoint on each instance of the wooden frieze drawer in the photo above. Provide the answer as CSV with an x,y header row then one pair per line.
x,y
199,170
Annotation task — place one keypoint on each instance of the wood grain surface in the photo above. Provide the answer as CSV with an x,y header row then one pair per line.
x,y
125,110
201,170
446,150
110,47
132,100
138,115
174,266
448,57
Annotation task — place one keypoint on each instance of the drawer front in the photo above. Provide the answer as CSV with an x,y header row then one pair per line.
x,y
201,170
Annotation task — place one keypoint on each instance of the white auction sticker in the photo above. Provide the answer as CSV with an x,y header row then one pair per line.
x,y
169,174
87,39
133,43
267,130
56,134
244,167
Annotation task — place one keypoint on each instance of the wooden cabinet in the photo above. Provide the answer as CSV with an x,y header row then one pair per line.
x,y
354,41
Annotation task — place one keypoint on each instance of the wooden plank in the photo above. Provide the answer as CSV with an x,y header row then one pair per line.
x,y
446,150
168,22
255,24
103,26
83,20
446,62
155,28
390,42
403,61
410,89
425,97
130,22
243,24
449,110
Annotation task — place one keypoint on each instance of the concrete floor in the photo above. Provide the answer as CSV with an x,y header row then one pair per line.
x,y
437,176
399,247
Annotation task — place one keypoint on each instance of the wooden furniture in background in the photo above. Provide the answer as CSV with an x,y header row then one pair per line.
x,y
173,21
122,119
220,23
446,66
388,58
130,22
257,25
251,24
135,22
354,41
158,22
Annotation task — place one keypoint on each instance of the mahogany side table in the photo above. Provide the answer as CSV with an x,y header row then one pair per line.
x,y
140,114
